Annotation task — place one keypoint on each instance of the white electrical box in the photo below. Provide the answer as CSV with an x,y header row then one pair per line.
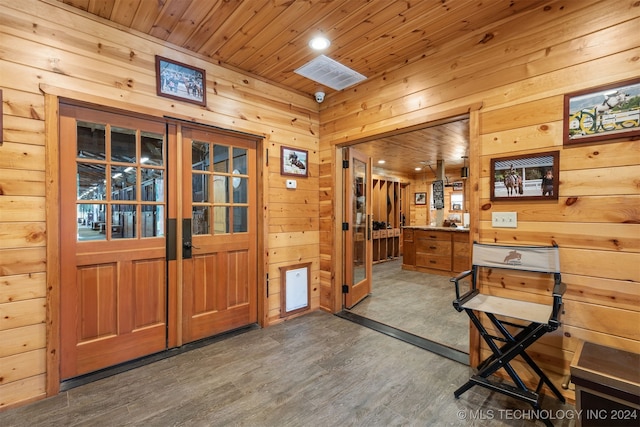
x,y
291,183
504,219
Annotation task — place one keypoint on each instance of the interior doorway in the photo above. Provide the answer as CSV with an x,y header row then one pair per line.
x,y
132,282
410,303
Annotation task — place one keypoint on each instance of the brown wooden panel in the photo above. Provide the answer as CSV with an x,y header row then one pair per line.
x,y
21,208
622,323
22,287
238,278
106,352
429,235
98,301
588,209
149,284
23,234
205,277
408,234
439,262
22,313
461,252
20,156
604,338
547,110
21,182
23,365
621,294
25,390
607,236
21,339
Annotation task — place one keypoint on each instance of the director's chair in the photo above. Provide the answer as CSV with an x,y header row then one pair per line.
x,y
538,318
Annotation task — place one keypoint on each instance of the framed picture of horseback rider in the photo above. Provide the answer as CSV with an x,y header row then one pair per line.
x,y
180,81
525,177
609,112
294,162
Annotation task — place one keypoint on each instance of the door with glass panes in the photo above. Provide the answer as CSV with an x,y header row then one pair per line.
x,y
358,260
120,295
112,239
219,236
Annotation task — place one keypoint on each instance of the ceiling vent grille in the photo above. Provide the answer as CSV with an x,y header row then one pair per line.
x,y
330,73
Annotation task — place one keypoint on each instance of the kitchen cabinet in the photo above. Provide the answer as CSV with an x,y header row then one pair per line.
x,y
439,250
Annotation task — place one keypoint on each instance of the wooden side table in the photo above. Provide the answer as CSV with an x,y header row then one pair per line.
x,y
607,384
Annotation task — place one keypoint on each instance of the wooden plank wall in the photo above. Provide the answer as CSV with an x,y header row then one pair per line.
x,y
59,49
520,69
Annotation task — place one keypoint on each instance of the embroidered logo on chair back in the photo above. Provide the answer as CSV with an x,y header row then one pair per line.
x,y
514,258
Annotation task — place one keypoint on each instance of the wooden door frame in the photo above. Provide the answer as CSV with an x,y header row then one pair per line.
x,y
52,98
472,112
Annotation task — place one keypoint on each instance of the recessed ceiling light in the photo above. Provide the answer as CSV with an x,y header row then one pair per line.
x,y
418,169
381,162
319,43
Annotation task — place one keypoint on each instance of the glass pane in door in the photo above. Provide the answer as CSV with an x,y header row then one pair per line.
x,y
359,221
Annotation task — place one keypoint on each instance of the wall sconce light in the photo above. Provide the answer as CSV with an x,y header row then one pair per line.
x,y
464,172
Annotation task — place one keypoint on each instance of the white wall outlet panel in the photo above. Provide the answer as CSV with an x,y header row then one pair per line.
x,y
504,219
291,183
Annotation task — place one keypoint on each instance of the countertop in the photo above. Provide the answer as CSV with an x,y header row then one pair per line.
x,y
431,228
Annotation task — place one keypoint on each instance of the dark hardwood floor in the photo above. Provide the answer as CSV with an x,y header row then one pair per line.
x,y
417,303
314,370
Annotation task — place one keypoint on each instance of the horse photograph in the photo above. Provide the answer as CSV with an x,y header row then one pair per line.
x,y
603,113
180,81
525,177
513,184
293,162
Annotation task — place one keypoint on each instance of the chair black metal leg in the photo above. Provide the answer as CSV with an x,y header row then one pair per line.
x,y
501,357
462,389
543,377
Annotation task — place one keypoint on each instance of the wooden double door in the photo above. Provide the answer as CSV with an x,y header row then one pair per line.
x,y
158,236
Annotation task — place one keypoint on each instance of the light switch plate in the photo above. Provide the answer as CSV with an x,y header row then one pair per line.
x,y
291,183
504,219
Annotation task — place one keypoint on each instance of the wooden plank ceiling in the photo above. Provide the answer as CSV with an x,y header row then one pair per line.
x,y
269,38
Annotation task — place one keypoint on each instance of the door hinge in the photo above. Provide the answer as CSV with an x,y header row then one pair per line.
x,y
345,226
345,289
345,164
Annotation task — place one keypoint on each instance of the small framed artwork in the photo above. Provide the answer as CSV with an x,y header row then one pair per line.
x,y
180,81
294,162
601,113
421,198
525,177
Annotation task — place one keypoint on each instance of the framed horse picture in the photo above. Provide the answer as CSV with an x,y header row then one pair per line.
x,y
294,162
525,177
609,112
180,81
